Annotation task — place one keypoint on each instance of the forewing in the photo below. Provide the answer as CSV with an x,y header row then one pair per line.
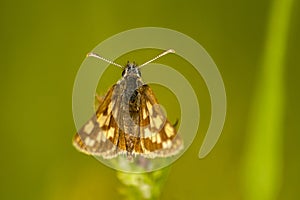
x,y
158,138
100,135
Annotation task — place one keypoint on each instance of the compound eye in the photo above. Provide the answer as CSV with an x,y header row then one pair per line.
x,y
123,72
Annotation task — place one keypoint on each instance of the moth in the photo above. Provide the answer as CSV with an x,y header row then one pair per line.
x,y
129,120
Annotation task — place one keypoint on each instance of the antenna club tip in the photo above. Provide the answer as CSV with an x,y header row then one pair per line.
x,y
171,51
89,54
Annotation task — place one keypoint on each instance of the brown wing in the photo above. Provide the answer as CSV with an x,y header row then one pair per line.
x,y
100,135
157,138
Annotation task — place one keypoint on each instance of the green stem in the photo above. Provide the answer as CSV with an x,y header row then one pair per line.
x,y
142,186
263,159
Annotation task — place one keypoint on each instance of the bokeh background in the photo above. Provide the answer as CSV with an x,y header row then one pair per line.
x,y
254,44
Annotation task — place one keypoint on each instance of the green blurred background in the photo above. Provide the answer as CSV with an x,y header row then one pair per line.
x,y
254,44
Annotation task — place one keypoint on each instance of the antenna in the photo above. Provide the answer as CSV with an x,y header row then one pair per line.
x,y
160,55
104,59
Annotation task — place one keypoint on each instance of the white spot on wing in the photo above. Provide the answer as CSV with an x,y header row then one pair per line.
x,y
158,139
101,119
149,106
107,121
88,127
89,142
157,122
111,132
154,138
164,145
98,138
103,138
147,133
169,130
167,144
144,114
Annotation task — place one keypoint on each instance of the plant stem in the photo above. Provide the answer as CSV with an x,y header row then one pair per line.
x,y
142,186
